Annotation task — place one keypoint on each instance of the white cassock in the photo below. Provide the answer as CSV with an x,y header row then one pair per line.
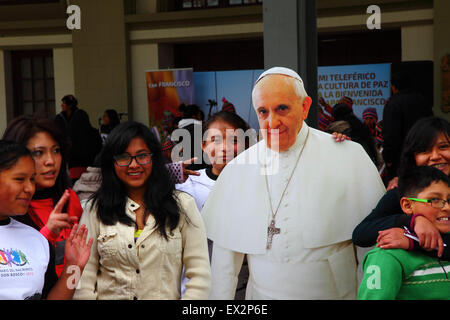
x,y
334,187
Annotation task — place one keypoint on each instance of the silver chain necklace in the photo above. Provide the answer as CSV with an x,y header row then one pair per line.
x,y
272,230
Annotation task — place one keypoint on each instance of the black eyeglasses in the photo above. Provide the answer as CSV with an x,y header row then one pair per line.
x,y
435,202
124,160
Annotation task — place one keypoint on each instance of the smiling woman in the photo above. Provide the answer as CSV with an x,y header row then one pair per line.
x,y
134,167
49,151
17,180
46,153
142,228
26,260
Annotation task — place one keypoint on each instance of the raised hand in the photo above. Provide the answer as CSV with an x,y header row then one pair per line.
x,y
392,184
77,251
57,220
187,172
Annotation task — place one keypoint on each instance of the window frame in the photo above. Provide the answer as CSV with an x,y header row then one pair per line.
x,y
49,104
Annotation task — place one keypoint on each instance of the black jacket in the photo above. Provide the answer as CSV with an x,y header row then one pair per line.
x,y
85,140
388,214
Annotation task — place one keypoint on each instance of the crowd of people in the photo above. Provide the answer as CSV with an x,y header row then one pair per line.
x,y
211,213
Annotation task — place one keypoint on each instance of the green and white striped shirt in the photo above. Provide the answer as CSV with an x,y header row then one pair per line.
x,y
403,275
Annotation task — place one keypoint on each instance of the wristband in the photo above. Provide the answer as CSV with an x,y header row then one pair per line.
x,y
413,219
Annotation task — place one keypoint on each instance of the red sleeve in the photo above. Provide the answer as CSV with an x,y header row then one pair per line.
x,y
49,235
74,206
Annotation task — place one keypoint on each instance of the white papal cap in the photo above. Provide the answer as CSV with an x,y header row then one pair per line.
x,y
280,70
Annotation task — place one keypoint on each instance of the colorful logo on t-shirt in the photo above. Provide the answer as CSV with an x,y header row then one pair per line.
x,y
12,257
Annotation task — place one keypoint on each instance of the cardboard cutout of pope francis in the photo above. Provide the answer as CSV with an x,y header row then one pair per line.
x,y
290,203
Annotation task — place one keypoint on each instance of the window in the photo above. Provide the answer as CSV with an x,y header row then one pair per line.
x,y
221,55
33,82
204,4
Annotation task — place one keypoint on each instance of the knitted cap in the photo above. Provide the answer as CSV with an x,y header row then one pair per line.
x,y
370,112
323,122
228,106
167,145
379,132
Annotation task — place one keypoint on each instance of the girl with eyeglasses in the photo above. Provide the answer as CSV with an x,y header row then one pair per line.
x,y
427,144
49,151
144,231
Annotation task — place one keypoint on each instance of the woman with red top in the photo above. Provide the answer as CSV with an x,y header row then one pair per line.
x,y
49,151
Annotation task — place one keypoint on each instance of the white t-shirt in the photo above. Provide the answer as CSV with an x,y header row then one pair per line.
x,y
24,257
198,187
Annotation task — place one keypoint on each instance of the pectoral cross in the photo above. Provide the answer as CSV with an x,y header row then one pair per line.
x,y
271,231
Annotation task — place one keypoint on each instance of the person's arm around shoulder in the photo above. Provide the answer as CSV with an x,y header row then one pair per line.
x,y
383,275
195,250
384,216
86,289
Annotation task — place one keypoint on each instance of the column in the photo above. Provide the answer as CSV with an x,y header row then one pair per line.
x,y
290,40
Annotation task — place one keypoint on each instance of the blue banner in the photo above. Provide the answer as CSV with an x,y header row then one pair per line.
x,y
368,85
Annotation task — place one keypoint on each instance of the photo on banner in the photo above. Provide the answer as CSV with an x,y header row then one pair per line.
x,y
166,90
235,86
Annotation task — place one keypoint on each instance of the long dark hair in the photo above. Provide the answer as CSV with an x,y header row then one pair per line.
x,y
159,197
228,117
420,138
114,121
10,153
23,128
231,118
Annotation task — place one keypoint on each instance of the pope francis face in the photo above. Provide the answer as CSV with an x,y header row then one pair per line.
x,y
280,109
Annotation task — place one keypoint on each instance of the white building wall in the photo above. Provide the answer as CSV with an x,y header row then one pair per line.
x,y
63,73
417,43
143,57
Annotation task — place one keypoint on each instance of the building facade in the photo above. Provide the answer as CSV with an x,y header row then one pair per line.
x,y
104,62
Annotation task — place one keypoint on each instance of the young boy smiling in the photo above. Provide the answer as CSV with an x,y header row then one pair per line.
x,y
405,275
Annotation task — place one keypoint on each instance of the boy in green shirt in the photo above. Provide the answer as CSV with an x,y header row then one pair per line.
x,y
406,275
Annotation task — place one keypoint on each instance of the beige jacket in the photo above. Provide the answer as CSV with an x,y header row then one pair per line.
x,y
119,268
